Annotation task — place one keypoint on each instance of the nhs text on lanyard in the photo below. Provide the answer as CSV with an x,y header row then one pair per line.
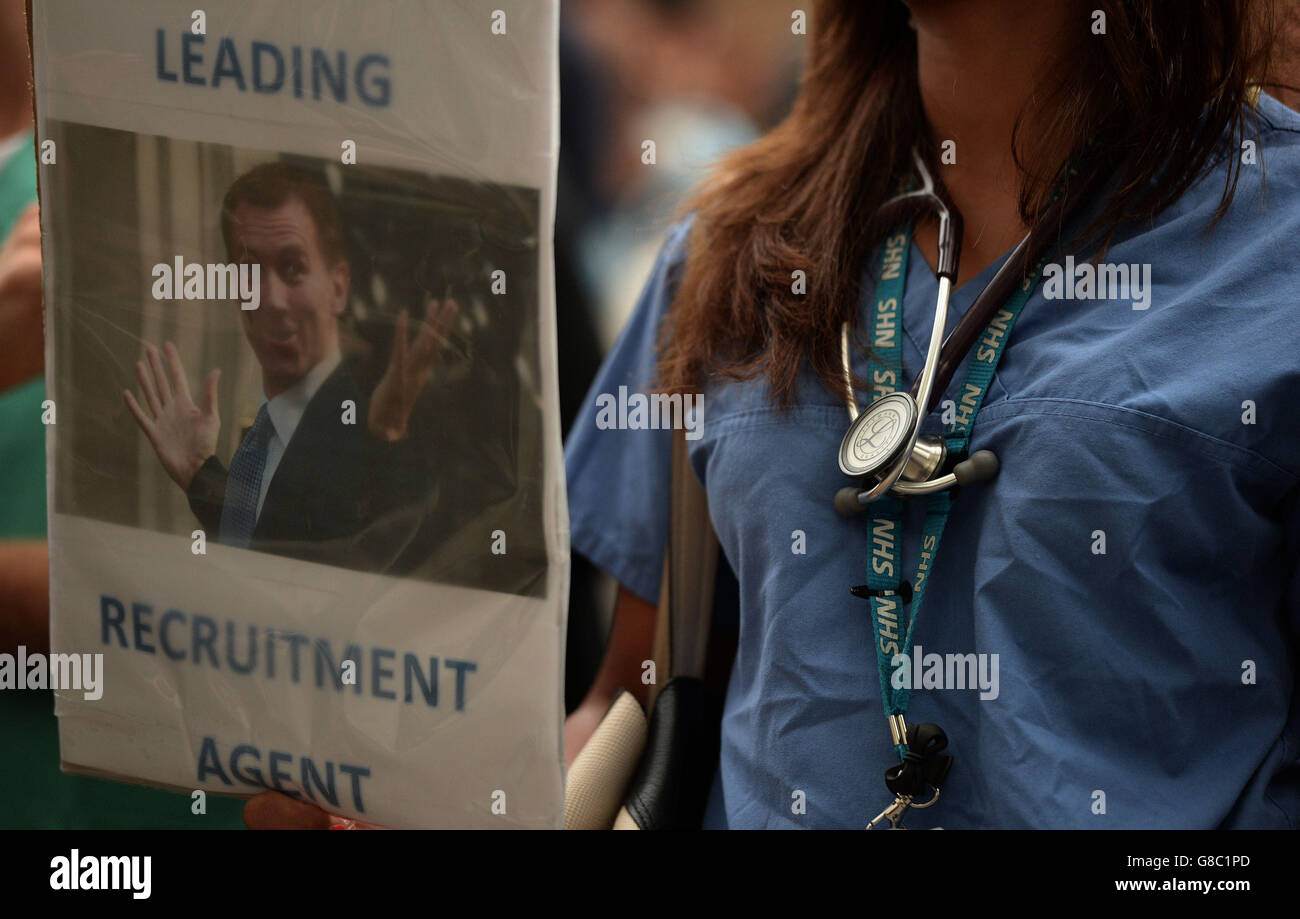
x,y
922,764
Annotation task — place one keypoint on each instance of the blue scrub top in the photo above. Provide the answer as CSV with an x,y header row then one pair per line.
x,y
1149,685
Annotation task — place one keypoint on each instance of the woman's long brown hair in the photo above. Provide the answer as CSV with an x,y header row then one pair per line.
x,y
1156,100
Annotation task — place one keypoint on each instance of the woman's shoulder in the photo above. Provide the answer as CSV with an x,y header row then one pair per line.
x,y
1245,259
1186,332
1275,118
1211,345
1262,166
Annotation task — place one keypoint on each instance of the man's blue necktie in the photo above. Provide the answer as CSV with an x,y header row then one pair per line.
x,y
244,483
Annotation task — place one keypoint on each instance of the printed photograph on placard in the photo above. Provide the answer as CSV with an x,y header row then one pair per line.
x,y
304,357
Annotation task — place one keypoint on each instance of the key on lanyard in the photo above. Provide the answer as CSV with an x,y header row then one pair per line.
x,y
893,813
924,766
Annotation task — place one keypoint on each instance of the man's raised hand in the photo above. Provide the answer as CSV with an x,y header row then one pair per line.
x,y
408,369
183,434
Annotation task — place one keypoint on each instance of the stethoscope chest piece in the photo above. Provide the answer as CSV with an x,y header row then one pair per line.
x,y
877,437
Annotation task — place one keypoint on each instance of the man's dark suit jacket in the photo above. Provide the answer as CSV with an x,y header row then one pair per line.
x,y
339,495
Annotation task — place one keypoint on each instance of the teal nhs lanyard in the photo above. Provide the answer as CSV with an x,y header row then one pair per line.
x,y
893,630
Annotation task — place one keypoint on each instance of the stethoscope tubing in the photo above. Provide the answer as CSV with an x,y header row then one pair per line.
x,y
945,354
1023,257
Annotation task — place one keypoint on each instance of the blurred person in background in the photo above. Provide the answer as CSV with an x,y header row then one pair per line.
x,y
700,77
582,131
33,791
697,77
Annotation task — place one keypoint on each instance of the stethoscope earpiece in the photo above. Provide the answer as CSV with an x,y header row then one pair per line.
x,y
980,466
847,503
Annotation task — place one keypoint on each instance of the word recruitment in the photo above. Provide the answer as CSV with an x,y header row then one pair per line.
x,y
196,281
246,649
264,67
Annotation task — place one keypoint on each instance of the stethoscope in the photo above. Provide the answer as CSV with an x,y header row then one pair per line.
x,y
883,445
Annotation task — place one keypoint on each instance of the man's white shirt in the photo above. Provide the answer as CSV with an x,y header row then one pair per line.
x,y
286,411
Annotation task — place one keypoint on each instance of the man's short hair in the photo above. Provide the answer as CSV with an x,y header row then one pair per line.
x,y
269,186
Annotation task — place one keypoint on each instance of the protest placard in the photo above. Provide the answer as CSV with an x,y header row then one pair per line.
x,y
307,494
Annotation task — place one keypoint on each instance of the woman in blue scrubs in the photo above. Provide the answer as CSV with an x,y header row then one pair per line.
x,y
1109,630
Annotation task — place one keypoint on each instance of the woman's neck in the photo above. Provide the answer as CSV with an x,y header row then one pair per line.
x,y
979,64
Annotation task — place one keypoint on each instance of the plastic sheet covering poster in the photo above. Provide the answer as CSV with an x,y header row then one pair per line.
x,y
306,485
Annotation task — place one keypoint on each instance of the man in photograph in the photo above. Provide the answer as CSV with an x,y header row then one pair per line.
x,y
321,466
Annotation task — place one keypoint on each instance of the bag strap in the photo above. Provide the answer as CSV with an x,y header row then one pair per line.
x,y
685,615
